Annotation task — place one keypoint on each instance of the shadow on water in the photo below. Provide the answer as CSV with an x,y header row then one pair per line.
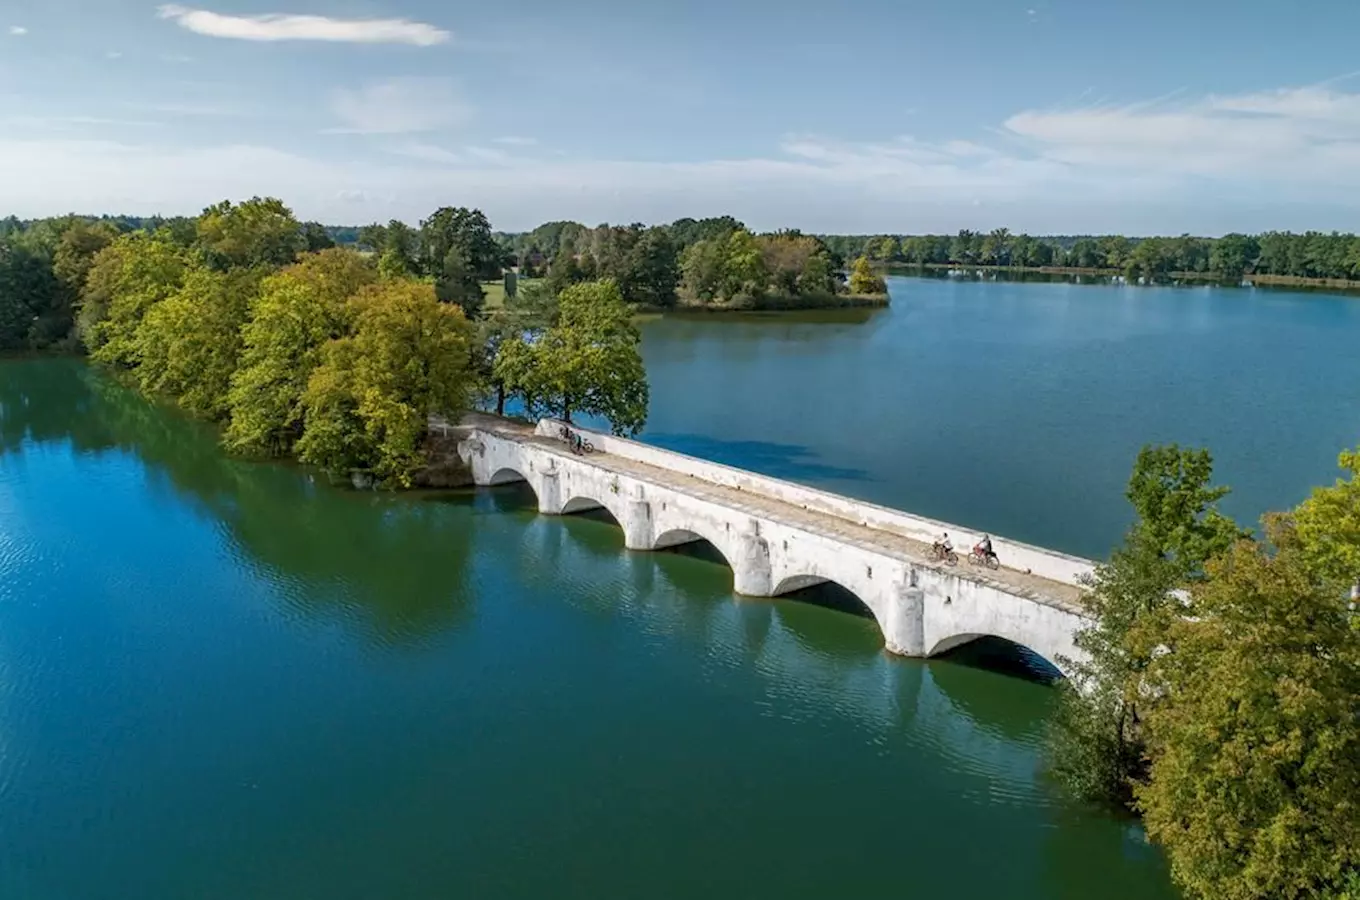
x,y
700,550
393,568
776,460
831,596
1004,657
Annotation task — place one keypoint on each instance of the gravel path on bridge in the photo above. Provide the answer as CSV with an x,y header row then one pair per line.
x,y
896,546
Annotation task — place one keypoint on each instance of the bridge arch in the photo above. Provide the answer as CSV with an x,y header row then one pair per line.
x,y
678,537
508,475
1020,650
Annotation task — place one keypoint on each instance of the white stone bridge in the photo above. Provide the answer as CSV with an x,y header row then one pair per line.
x,y
780,537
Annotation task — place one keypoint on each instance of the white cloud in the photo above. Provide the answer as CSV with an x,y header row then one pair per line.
x,y
1291,136
400,106
1287,159
284,27
113,54
511,140
18,30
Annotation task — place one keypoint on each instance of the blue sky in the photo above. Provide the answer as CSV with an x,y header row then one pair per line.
x,y
1050,116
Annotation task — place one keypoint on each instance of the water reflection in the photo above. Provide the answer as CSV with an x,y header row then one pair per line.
x,y
395,568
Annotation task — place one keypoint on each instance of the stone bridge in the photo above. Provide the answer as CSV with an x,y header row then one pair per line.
x,y
780,537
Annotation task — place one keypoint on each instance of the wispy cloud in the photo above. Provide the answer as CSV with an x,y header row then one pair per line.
x,y
18,30
429,153
513,141
1295,136
1207,164
285,27
399,106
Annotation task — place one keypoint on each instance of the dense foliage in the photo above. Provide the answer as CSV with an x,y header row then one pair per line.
x,y
585,361
257,321
1312,254
1221,694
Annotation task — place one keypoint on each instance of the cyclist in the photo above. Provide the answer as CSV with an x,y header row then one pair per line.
x,y
984,547
942,545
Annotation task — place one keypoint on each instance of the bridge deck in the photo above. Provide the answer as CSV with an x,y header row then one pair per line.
x,y
896,546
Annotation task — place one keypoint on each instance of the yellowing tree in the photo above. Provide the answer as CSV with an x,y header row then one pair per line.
x,y
259,231
189,345
1329,524
127,279
367,405
863,280
297,311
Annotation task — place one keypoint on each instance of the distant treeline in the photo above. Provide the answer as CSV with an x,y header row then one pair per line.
x,y
1313,254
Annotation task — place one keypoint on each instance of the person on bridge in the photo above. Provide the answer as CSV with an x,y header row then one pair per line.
x,y
984,547
942,545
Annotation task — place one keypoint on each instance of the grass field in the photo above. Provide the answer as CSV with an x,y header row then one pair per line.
x,y
495,291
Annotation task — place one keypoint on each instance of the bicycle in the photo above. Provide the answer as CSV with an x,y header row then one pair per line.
x,y
940,553
984,559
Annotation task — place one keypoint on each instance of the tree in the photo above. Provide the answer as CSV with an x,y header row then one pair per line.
x,y
367,404
76,251
466,229
863,279
588,362
33,310
1328,524
259,231
649,275
701,268
189,345
1255,778
458,283
128,277
744,276
1097,747
315,237
297,311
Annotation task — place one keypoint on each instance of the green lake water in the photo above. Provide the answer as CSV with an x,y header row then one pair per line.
x,y
221,679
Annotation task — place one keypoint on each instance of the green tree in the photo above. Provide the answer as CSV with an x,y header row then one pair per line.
x,y
1329,524
588,362
259,231
189,345
1255,778
701,268
127,279
863,279
744,276
469,231
367,404
33,308
297,311
458,283
1097,748
650,273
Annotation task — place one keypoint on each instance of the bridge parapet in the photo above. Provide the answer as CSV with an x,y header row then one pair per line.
x,y
1049,564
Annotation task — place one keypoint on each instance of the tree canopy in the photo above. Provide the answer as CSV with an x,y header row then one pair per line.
x,y
587,362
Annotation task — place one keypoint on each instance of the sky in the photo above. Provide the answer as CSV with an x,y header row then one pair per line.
x,y
883,116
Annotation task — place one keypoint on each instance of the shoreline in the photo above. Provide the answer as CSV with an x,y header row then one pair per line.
x,y
1248,280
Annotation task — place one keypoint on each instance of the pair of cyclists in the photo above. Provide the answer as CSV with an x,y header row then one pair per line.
x,y
942,546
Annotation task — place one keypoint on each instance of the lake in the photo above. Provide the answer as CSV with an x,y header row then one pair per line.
x,y
223,679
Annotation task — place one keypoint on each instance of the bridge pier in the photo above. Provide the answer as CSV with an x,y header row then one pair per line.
x,y
549,490
752,575
637,525
904,632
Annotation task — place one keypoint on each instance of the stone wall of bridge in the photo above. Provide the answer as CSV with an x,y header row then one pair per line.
x,y
921,609
1046,563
